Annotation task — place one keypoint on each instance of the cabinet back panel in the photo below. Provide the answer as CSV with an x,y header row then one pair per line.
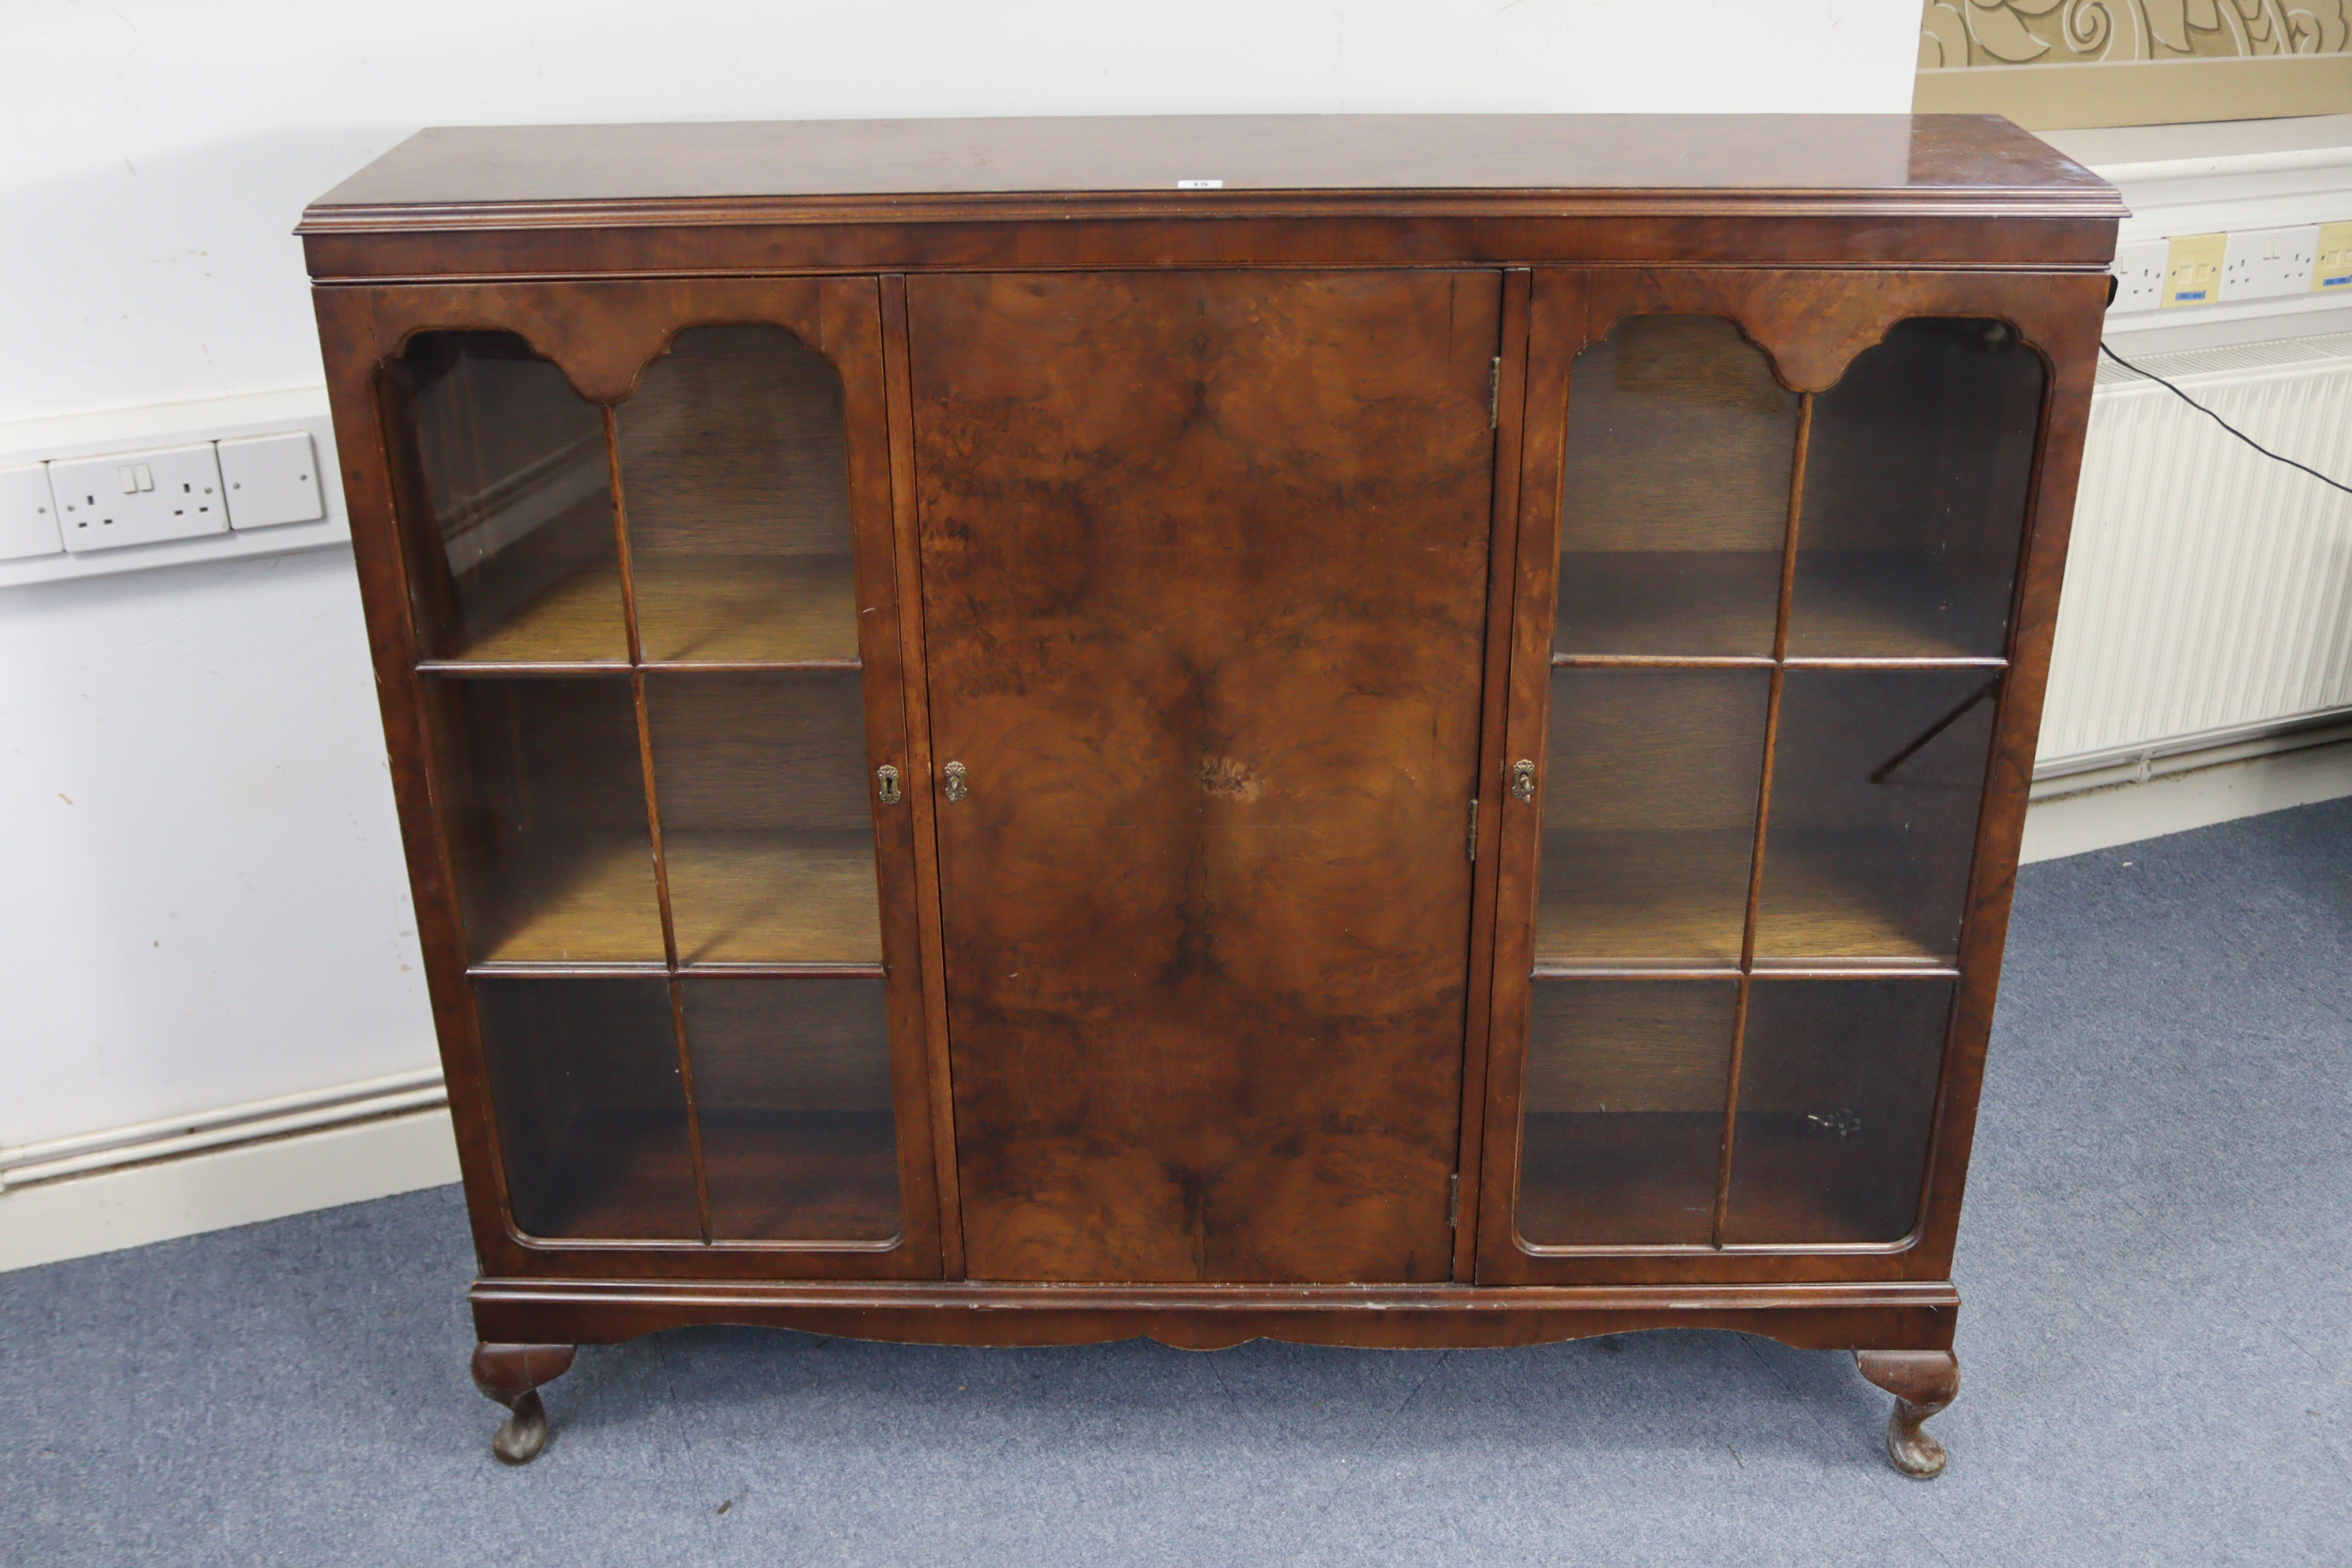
x,y
1877,783
544,798
1205,562
1837,1093
733,445
1916,484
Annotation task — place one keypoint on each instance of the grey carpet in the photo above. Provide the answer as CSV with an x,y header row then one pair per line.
x,y
2155,1344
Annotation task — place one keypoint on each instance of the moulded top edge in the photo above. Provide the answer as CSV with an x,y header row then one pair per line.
x,y
1211,165
1029,206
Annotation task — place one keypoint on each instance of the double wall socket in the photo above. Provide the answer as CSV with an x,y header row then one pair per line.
x,y
2138,271
139,498
88,504
2263,263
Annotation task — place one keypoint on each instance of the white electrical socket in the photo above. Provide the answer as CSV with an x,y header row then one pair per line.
x,y
2262,263
139,498
2139,272
270,481
29,515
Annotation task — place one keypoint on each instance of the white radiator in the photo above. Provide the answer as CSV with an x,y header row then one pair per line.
x,y
2209,590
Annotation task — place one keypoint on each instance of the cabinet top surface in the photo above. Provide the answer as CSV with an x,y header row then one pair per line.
x,y
1309,164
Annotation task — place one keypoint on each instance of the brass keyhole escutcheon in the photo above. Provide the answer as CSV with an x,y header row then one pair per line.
x,y
887,783
1523,780
955,788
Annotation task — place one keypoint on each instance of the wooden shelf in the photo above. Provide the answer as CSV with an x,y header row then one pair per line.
x,y
1848,603
596,907
1648,1179
691,609
576,617
1842,900
735,898
616,1175
802,1175
774,897
1642,899
1889,603
773,1176
1642,1178
733,610
1795,1184
1670,899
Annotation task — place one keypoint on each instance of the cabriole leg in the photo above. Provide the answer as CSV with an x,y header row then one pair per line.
x,y
1923,1382
511,1375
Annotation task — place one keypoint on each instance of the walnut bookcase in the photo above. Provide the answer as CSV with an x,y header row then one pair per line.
x,y
1425,746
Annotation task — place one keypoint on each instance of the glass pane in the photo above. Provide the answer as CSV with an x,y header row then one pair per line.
x,y
736,475
1916,486
591,1111
544,796
1648,810
1837,1095
507,496
1876,783
1680,445
765,822
791,1079
1624,1111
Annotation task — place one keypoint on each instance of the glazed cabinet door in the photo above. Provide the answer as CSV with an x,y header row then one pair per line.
x,y
631,580
1205,562
1766,747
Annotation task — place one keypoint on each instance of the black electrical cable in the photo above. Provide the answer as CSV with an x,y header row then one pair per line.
x,y
2216,419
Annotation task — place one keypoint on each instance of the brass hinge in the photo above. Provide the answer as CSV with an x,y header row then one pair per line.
x,y
1495,394
1453,1201
1474,830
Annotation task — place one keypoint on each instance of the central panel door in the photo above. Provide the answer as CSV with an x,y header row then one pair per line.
x,y
1204,567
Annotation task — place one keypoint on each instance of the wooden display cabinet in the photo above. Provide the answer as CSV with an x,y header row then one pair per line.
x,y
1424,747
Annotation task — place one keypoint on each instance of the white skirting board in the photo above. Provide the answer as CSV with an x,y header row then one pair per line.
x,y
72,1197
2174,802
229,1184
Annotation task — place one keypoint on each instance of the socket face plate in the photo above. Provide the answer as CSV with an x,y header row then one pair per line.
x,y
271,480
2333,274
2192,275
2265,263
28,516
139,498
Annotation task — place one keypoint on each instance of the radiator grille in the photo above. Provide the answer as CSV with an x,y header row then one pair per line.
x,y
2209,590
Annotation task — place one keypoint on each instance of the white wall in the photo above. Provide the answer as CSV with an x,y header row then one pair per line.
x,y
158,151
219,915
205,902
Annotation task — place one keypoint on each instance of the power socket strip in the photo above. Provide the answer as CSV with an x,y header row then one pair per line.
x,y
275,486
